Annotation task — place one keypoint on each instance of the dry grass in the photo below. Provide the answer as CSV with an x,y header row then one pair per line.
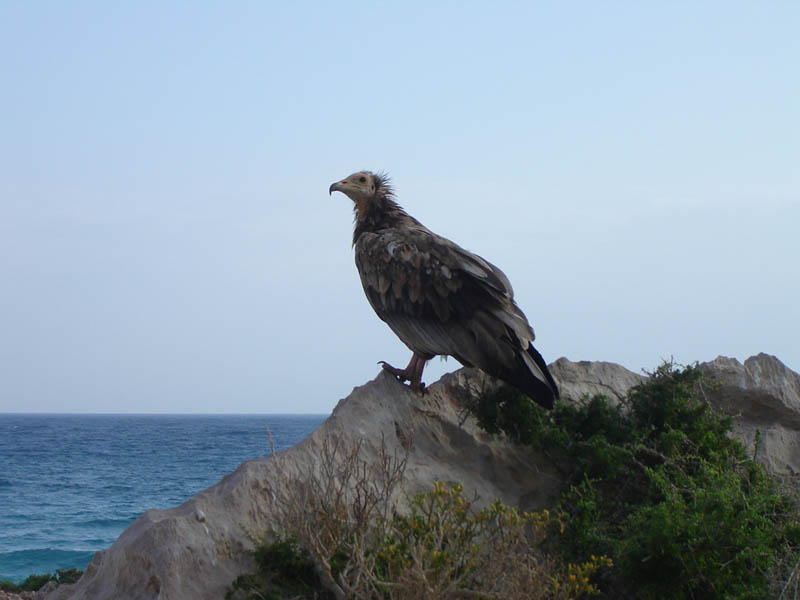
x,y
344,510
342,506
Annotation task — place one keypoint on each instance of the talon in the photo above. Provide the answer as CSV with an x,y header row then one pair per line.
x,y
412,373
401,374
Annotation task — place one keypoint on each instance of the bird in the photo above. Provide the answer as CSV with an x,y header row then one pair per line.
x,y
437,297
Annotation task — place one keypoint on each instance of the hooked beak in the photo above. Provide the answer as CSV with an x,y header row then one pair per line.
x,y
335,187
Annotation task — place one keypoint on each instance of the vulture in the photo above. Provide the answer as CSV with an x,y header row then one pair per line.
x,y
438,298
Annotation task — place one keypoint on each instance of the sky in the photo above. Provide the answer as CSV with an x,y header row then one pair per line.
x,y
168,244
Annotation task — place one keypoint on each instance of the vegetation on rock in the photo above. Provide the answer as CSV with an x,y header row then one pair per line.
x,y
34,583
658,484
343,535
659,501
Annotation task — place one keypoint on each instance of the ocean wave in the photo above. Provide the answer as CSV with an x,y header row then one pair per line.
x,y
108,522
74,483
15,566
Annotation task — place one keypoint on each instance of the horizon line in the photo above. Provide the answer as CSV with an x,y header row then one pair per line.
x,y
161,414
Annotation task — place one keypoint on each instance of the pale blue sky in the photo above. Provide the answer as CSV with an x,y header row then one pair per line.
x,y
167,242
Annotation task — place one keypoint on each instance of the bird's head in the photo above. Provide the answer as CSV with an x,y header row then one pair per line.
x,y
362,188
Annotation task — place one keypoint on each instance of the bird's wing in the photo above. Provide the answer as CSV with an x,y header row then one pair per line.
x,y
438,297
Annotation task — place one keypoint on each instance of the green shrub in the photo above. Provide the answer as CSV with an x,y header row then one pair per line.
x,y
284,570
444,548
658,484
68,575
34,583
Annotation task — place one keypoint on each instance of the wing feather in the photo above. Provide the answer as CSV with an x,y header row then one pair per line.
x,y
453,297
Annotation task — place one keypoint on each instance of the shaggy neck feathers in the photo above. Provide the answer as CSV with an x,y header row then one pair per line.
x,y
381,211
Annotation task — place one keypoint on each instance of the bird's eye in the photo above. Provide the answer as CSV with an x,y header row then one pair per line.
x,y
362,179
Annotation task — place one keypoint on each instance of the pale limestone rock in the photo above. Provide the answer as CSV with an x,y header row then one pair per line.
x,y
580,380
763,395
174,554
194,551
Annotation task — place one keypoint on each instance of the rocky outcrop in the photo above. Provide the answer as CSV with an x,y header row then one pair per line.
x,y
763,396
16,596
586,379
194,551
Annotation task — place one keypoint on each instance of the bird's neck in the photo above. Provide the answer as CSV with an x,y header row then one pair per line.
x,y
381,212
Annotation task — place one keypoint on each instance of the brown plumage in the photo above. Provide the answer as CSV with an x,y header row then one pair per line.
x,y
437,297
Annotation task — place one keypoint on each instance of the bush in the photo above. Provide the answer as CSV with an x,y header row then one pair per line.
x,y
343,535
443,548
34,583
67,575
284,570
658,484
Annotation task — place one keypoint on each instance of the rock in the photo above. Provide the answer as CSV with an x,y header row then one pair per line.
x,y
46,589
15,595
195,551
580,380
177,554
763,395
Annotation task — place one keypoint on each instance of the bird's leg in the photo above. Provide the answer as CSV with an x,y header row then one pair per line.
x,y
412,373
416,378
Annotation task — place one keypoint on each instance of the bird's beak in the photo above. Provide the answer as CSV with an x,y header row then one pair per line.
x,y
335,187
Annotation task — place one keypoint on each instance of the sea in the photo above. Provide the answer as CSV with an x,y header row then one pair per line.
x,y
70,484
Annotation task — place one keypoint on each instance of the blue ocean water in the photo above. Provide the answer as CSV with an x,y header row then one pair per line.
x,y
70,484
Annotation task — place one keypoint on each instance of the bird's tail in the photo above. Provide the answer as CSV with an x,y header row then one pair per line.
x,y
534,379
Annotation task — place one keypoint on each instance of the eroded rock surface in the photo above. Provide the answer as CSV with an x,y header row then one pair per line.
x,y
194,551
763,396
584,379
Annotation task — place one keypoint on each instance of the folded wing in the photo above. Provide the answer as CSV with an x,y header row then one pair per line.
x,y
441,299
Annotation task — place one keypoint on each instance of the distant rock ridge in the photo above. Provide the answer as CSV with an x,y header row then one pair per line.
x,y
194,551
763,395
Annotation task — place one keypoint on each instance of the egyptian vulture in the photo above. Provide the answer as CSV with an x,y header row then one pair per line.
x,y
437,297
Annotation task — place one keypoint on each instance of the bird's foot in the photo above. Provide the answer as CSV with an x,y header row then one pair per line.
x,y
408,374
402,374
